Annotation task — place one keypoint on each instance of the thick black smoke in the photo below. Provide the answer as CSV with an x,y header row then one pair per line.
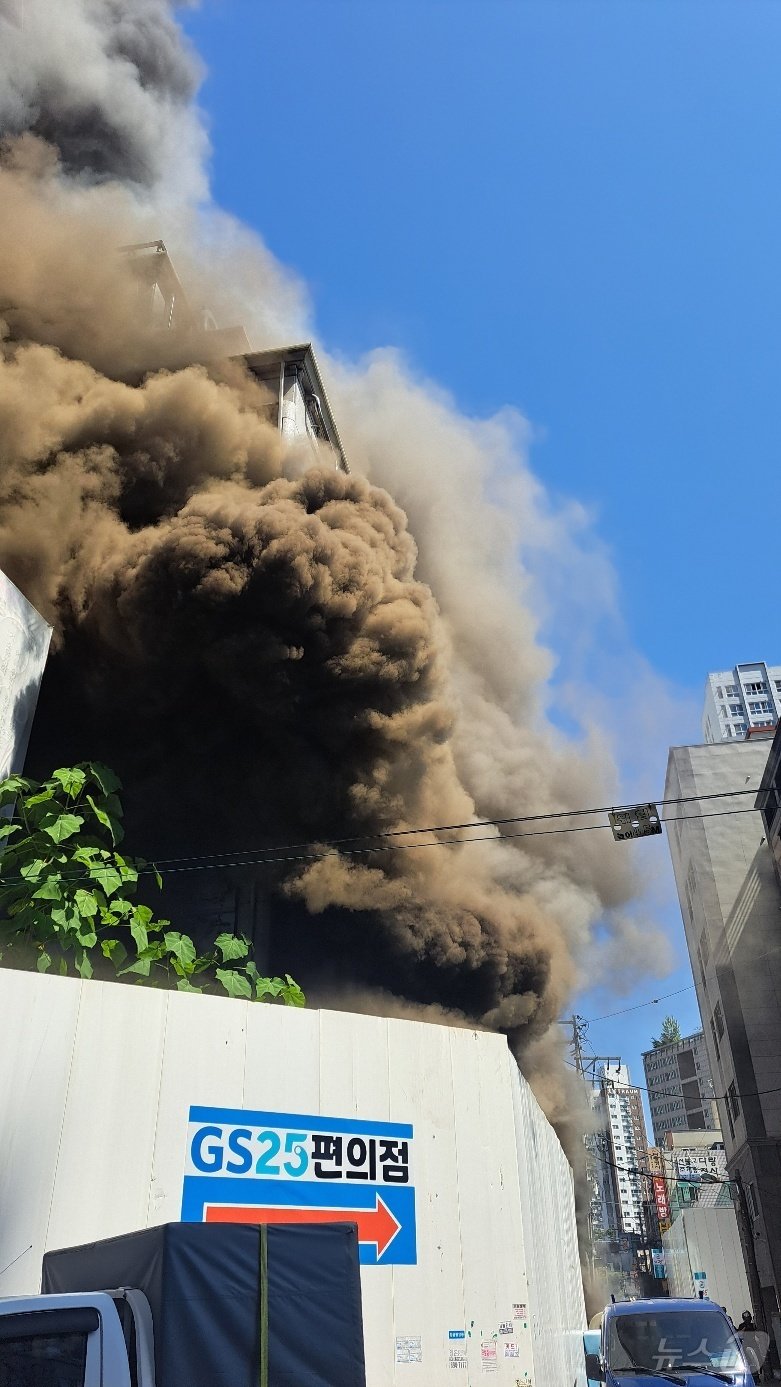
x,y
245,635
107,83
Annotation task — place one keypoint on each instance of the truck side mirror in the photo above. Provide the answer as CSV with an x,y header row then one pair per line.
x,y
594,1368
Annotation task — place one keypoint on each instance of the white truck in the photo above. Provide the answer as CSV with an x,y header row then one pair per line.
x,y
193,1305
123,1108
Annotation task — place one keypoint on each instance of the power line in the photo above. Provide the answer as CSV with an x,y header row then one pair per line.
x,y
283,854
652,1002
389,833
676,1093
380,841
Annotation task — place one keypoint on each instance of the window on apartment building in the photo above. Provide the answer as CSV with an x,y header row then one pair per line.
x,y
722,710
733,1100
718,1016
765,705
758,687
715,1038
731,690
778,685
735,709
751,1195
719,694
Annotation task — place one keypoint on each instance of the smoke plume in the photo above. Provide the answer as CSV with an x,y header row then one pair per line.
x,y
268,650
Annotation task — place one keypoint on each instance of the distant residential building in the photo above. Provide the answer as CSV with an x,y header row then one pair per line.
x,y
621,1107
731,906
680,1087
742,701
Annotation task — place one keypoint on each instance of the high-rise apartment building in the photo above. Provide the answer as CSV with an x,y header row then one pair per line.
x,y
621,1110
741,701
731,907
680,1088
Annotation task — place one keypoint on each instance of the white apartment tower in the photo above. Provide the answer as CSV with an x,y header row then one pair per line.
x,y
627,1145
740,701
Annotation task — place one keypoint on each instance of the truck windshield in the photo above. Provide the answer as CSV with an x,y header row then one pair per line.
x,y
673,1339
43,1360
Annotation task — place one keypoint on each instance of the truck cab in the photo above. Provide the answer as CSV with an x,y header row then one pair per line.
x,y
77,1340
650,1343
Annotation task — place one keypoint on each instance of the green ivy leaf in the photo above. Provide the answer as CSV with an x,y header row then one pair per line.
x,y
83,965
293,995
105,778
7,828
184,985
65,917
41,798
86,935
105,876
268,987
235,984
85,854
141,966
58,827
51,890
181,947
86,903
32,870
231,946
12,786
114,950
106,820
71,778
139,933
44,962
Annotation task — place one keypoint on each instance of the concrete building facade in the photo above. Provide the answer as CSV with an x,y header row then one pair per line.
x,y
731,907
740,701
769,802
680,1087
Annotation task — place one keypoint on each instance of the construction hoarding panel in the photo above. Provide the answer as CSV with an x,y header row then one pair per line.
x,y
123,1107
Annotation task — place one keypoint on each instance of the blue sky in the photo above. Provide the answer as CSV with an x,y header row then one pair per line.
x,y
571,206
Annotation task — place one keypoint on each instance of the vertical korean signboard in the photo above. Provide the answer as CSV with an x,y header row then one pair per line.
x,y
662,1200
267,1167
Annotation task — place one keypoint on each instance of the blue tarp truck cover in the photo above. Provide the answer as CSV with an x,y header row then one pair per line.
x,y
235,1305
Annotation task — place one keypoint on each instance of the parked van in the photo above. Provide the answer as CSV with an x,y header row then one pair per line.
x,y
687,1342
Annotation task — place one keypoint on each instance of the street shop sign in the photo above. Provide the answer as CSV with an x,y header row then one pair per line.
x,y
266,1167
639,821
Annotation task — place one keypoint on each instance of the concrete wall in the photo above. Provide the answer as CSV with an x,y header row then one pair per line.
x,y
707,1240
98,1082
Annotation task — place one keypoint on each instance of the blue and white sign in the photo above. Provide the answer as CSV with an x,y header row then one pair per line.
x,y
265,1167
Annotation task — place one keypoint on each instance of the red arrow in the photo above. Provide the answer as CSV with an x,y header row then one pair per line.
x,y
377,1225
